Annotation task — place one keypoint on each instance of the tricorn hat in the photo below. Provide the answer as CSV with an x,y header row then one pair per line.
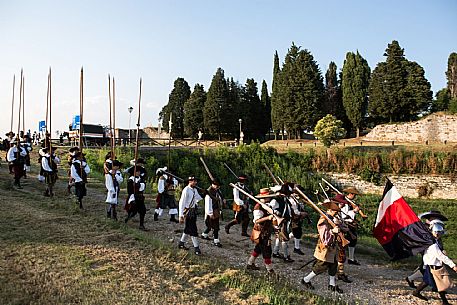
x,y
351,190
433,214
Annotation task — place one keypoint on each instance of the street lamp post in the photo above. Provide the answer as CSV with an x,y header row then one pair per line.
x,y
130,109
241,133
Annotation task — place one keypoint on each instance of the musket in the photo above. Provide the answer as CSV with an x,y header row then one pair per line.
x,y
349,200
264,206
230,170
137,130
207,169
323,190
271,175
114,119
181,180
212,178
344,241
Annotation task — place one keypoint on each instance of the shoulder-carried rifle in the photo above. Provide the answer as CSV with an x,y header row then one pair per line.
x,y
297,190
271,175
231,171
349,200
264,206
211,177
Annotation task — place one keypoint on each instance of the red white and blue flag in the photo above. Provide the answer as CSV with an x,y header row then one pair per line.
x,y
398,229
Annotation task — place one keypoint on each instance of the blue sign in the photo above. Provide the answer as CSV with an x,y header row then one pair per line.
x,y
76,122
41,126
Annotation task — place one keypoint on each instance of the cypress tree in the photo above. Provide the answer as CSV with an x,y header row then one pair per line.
x,y
276,108
217,106
399,90
441,102
178,96
235,93
451,75
266,109
355,82
333,99
193,111
252,111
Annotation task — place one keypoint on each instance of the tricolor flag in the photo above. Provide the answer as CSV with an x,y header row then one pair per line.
x,y
397,227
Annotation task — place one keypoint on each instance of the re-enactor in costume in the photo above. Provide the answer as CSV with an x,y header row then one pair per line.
x,y
213,206
166,189
135,190
326,250
112,180
240,207
78,173
49,164
188,214
261,234
16,159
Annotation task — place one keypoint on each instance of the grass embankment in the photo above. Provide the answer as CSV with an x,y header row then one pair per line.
x,y
52,253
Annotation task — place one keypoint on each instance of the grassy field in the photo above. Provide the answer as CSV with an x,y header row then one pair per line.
x,y
52,253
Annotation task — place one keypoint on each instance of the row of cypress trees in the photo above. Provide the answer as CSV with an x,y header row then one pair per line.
x,y
395,91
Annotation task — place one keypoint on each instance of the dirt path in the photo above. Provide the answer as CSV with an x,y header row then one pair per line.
x,y
375,282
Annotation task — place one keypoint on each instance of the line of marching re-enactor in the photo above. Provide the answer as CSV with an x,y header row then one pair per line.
x,y
277,212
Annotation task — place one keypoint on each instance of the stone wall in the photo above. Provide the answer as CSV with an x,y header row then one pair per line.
x,y
438,186
437,127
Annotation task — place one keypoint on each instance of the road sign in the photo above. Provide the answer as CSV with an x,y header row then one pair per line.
x,y
42,126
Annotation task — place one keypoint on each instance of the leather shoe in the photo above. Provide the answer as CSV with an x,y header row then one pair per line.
x,y
182,246
278,255
288,259
307,285
419,295
353,262
219,245
410,283
335,289
344,278
298,251
252,267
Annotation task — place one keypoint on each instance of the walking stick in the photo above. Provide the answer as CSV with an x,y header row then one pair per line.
x,y
344,241
349,200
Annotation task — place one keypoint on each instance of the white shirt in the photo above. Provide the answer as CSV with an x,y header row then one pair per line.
x,y
236,195
162,182
74,174
433,256
141,189
209,204
347,214
45,164
12,153
189,199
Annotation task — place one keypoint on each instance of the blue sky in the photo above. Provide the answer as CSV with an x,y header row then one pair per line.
x,y
163,40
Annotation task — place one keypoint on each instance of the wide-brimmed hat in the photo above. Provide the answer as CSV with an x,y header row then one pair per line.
x,y
192,178
351,190
73,149
242,177
138,161
263,192
437,225
331,205
433,214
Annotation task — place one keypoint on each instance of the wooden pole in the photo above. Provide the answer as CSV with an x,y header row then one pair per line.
x,y
23,104
137,129
12,103
114,119
110,117
47,114
19,114
50,113
81,110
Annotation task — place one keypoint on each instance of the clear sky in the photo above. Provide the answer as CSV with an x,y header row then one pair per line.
x,y
163,40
